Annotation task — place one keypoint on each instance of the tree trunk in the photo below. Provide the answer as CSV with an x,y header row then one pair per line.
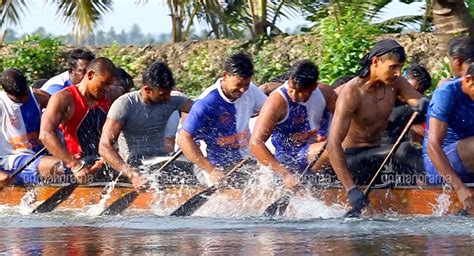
x,y
258,10
451,18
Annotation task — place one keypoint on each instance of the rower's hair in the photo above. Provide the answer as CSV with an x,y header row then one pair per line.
x,y
77,54
14,82
462,48
304,74
421,75
158,74
470,70
102,65
123,79
341,80
39,83
239,64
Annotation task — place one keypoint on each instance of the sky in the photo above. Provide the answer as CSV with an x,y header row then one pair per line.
x,y
152,17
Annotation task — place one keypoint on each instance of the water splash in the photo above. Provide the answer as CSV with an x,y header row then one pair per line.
x,y
443,201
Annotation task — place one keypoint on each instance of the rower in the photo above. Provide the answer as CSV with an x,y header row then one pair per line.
x,y
77,62
460,56
362,111
448,145
292,116
137,122
220,117
79,111
20,116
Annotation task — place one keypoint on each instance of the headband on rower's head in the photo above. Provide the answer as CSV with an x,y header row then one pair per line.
x,y
381,47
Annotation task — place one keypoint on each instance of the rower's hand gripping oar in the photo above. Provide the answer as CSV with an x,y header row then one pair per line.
x,y
280,205
23,167
125,201
63,193
356,212
195,202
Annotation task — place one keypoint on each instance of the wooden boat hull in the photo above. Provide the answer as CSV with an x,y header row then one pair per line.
x,y
402,200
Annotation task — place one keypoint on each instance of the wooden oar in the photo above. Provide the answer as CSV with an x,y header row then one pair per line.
x,y
124,202
23,167
280,205
356,213
195,202
60,195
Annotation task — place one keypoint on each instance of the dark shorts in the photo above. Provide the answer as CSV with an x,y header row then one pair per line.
x,y
451,152
363,162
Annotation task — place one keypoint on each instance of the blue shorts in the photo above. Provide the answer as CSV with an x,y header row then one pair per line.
x,y
451,152
30,174
295,160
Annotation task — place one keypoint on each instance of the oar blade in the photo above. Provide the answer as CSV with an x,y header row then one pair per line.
x,y
56,199
194,203
353,214
278,207
120,205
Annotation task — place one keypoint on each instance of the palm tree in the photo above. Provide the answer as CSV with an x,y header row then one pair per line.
x,y
83,15
451,18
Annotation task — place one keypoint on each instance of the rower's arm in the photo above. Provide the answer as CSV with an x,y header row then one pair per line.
x,y
436,134
58,110
187,106
271,113
330,96
408,93
110,133
42,97
192,152
345,107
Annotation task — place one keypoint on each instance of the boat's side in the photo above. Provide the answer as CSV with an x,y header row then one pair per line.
x,y
406,200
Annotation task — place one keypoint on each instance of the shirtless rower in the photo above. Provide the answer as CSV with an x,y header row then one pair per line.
x,y
448,145
220,117
292,116
362,111
79,111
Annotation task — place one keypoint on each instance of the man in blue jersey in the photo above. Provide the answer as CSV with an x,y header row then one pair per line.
x,y
448,145
460,55
77,62
220,117
293,115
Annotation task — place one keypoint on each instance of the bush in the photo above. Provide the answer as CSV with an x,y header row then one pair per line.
x,y
346,37
131,62
35,56
197,74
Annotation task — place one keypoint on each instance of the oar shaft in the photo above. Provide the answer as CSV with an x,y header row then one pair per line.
x,y
389,155
30,160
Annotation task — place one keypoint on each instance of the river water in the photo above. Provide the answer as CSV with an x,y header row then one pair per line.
x,y
68,232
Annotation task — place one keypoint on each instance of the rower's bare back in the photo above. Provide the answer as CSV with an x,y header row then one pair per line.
x,y
369,119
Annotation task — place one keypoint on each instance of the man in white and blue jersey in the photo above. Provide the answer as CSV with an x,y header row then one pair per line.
x,y
20,116
220,117
77,61
292,116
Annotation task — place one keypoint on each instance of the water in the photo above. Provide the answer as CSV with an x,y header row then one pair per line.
x,y
308,227
65,232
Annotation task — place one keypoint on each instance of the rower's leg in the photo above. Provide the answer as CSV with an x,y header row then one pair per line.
x,y
313,151
465,149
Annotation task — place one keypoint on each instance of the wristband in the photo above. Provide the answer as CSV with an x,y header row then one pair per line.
x,y
78,169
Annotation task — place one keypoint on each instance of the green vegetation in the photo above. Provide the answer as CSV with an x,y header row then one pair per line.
x,y
346,38
36,56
